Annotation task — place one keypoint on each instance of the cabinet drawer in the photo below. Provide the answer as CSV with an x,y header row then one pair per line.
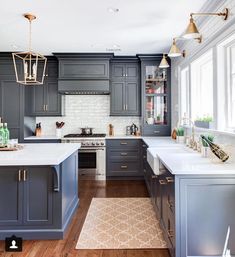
x,y
123,155
123,169
123,143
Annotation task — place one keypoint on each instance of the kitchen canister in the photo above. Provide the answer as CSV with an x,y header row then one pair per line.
x,y
58,132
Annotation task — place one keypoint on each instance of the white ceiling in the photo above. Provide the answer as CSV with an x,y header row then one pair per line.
x,y
140,26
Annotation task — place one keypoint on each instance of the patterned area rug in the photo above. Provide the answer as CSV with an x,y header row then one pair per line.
x,y
121,223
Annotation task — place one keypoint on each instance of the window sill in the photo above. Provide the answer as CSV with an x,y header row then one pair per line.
x,y
220,132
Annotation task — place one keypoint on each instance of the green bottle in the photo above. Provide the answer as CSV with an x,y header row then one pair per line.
x,y
7,134
2,136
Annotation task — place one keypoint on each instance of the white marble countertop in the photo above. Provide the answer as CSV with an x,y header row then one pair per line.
x,y
185,161
52,137
38,154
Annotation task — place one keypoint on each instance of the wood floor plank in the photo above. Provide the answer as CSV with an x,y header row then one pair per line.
x,y
66,248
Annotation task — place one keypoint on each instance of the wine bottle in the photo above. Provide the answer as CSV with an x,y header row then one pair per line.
x,y
216,150
2,136
7,134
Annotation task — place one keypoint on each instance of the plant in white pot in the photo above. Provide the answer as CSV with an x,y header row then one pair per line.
x,y
180,135
205,122
205,147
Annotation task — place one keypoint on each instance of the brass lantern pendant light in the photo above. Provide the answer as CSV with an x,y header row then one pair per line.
x,y
164,64
29,66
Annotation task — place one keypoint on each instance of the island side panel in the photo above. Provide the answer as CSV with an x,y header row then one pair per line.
x,y
205,207
69,188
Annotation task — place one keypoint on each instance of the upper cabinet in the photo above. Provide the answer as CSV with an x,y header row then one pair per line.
x,y
11,99
155,97
125,89
83,69
44,100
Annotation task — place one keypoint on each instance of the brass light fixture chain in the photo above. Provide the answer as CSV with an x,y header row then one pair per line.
x,y
30,35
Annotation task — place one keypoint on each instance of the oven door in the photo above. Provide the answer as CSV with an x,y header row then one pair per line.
x,y
92,162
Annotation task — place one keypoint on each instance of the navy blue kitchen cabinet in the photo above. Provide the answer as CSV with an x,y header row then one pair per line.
x,y
39,201
29,196
45,100
11,98
125,88
156,96
123,158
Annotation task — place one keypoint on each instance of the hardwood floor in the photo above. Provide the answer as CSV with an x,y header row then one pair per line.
x,y
66,247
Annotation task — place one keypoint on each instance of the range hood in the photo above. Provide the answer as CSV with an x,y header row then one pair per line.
x,y
84,87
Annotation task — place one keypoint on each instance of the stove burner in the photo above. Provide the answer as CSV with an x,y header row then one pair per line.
x,y
84,135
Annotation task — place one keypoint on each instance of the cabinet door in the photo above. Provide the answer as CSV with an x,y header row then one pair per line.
x,y
117,98
11,103
83,69
132,96
38,100
38,196
132,71
118,72
10,196
52,99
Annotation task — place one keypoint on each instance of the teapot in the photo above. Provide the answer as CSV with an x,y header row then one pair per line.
x,y
133,129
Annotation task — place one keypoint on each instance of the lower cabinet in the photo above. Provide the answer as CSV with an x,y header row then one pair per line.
x,y
29,196
123,158
161,190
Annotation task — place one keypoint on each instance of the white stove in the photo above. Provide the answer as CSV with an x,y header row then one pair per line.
x,y
92,155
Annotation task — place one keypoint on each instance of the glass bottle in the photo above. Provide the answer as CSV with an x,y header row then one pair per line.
x,y
2,136
7,134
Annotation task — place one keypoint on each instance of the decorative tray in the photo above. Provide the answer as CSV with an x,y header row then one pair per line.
x,y
15,148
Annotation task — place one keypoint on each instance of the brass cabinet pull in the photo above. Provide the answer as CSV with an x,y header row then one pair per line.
x,y
144,170
19,175
123,143
144,146
162,182
170,204
46,107
123,167
170,180
156,131
144,157
154,176
170,233
126,107
24,175
123,154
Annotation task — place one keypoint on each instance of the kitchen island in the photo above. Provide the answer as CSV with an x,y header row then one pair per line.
x,y
38,190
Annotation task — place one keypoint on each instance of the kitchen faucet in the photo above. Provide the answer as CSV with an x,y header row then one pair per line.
x,y
192,142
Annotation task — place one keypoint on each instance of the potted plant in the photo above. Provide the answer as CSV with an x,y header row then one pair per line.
x,y
180,135
205,146
205,122
158,119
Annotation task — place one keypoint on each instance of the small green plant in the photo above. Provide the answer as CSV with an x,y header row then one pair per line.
x,y
158,117
180,132
209,137
205,119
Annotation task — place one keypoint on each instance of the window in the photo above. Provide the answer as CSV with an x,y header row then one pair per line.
x,y
231,87
184,93
202,87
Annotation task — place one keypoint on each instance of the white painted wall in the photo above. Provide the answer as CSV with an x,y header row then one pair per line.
x,y
213,30
87,110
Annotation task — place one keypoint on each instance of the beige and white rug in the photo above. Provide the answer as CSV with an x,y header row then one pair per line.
x,y
121,223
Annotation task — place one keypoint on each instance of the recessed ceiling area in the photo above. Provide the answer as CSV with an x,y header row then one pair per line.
x,y
126,27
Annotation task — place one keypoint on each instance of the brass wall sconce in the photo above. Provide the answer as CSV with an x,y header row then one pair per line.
x,y
29,66
164,64
192,31
175,51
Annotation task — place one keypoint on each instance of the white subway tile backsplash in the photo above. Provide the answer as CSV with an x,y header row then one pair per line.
x,y
87,110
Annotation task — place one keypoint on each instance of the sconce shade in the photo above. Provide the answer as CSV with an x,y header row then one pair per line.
x,y
164,64
29,68
191,31
174,51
